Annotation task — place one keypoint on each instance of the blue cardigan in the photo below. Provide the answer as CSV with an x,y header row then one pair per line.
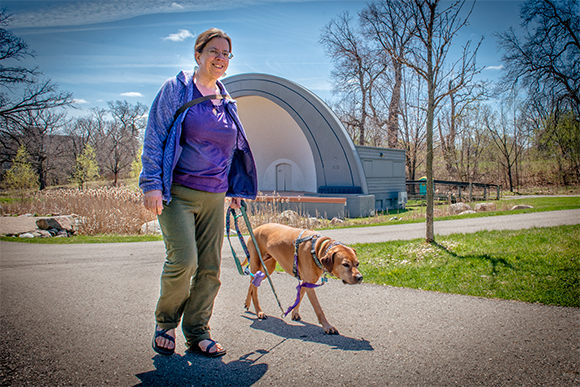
x,y
161,149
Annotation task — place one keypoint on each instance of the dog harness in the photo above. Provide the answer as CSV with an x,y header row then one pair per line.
x,y
297,242
314,238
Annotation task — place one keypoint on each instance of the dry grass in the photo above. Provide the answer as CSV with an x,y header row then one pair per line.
x,y
105,210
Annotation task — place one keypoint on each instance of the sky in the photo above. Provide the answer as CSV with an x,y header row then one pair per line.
x,y
107,50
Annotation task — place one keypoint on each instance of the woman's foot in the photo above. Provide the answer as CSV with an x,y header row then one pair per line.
x,y
210,348
164,341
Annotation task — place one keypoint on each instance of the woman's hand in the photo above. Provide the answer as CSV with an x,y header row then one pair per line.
x,y
153,201
236,203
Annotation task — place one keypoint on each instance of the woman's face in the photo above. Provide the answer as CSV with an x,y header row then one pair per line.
x,y
213,61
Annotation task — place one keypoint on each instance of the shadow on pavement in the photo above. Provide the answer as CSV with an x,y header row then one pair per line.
x,y
309,332
193,369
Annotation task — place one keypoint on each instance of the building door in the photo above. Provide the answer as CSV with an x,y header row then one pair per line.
x,y
284,177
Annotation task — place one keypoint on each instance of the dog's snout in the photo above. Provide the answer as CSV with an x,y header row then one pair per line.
x,y
359,278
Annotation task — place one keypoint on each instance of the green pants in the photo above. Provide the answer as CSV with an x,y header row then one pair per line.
x,y
193,231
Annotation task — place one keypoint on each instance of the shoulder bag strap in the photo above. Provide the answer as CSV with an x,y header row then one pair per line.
x,y
197,101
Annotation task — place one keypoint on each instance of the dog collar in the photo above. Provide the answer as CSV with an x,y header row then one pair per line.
x,y
335,243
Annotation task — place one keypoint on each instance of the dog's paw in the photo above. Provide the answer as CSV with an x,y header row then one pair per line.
x,y
330,330
296,317
262,316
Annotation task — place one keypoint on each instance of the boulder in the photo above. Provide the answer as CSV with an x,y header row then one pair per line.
x,y
335,221
458,208
58,222
467,212
520,207
484,207
151,228
314,222
44,234
290,217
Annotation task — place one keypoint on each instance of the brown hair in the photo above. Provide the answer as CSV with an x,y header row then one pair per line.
x,y
208,35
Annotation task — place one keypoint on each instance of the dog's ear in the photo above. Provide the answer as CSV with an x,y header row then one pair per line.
x,y
328,262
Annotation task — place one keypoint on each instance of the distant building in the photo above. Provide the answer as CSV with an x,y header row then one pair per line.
x,y
300,145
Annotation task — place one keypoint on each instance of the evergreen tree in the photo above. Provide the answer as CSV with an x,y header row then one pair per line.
x,y
137,165
21,177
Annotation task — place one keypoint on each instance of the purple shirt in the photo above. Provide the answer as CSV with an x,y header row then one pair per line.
x,y
208,138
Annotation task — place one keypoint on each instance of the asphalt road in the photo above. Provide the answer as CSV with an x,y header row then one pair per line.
x,y
82,315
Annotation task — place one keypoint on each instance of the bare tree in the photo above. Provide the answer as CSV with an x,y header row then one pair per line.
x,y
455,121
121,136
509,135
356,70
390,29
473,141
413,120
24,99
40,132
433,30
12,47
547,58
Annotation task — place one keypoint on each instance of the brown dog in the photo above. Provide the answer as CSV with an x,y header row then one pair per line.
x,y
277,244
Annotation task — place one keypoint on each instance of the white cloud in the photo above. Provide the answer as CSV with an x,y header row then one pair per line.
x,y
79,101
132,94
180,36
82,12
494,67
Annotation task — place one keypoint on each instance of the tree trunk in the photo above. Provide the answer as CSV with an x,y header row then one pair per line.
x,y
393,120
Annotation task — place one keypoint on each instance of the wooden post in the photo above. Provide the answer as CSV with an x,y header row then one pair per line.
x,y
485,193
498,192
470,192
459,190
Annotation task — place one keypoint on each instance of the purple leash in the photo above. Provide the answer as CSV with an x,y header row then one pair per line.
x,y
302,285
299,287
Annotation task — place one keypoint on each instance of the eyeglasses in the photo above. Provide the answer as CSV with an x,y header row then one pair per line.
x,y
216,53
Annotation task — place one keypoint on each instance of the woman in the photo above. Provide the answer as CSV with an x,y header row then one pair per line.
x,y
188,168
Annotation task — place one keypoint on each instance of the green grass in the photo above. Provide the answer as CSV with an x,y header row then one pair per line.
x,y
415,213
538,265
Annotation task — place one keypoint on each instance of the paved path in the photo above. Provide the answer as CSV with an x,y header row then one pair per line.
x,y
82,315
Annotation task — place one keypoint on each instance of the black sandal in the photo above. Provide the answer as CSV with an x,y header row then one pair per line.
x,y
162,350
218,353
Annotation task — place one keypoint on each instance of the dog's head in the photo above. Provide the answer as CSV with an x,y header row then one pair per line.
x,y
341,261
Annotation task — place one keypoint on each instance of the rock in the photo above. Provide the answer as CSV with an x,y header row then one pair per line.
x,y
335,221
290,217
151,228
520,207
44,234
467,212
314,222
458,208
26,235
58,222
483,207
